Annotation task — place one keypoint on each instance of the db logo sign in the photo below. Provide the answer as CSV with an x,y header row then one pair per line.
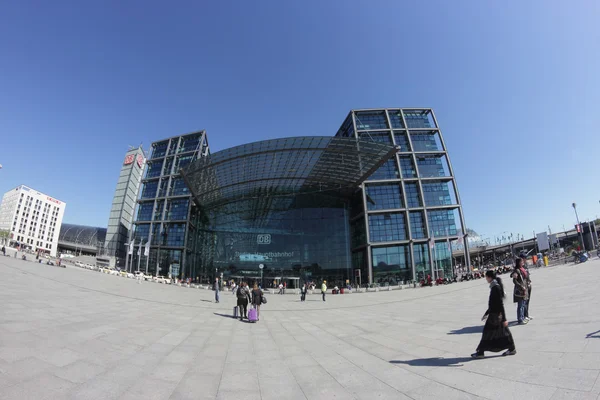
x,y
263,239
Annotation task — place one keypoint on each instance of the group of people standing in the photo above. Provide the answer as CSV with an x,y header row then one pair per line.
x,y
496,336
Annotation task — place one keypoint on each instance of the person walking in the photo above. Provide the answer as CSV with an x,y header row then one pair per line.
x,y
523,256
216,289
324,289
243,295
303,292
233,288
520,293
280,289
257,296
496,336
3,251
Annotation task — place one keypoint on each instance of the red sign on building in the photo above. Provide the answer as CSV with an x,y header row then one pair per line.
x,y
128,159
140,160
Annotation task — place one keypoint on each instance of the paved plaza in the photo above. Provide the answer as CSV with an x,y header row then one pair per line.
x,y
78,334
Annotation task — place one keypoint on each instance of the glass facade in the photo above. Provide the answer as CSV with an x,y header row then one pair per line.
x,y
361,206
285,204
165,206
419,201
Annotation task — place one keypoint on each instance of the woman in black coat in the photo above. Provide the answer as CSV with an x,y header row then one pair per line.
x,y
496,335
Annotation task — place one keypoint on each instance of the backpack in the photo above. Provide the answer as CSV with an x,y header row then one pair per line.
x,y
241,293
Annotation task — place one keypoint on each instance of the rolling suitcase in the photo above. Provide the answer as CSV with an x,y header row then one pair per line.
x,y
252,317
235,312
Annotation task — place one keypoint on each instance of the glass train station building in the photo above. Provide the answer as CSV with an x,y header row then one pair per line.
x,y
376,203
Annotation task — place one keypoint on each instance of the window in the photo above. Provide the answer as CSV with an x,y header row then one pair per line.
x,y
387,227
145,211
389,170
370,120
426,141
149,190
417,226
421,257
391,264
439,193
443,222
413,197
178,187
177,209
184,161
396,119
408,167
189,143
142,231
433,166
384,196
160,149
175,235
419,119
164,186
158,210
358,233
402,140
379,137
154,169
168,166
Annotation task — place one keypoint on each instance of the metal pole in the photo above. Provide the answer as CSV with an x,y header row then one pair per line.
x,y
149,243
139,256
579,226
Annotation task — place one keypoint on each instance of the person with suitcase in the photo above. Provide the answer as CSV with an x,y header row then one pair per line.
x,y
243,295
257,296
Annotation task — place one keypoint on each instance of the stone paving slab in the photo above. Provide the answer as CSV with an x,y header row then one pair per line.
x,y
70,333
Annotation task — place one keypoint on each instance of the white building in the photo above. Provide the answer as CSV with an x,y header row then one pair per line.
x,y
32,218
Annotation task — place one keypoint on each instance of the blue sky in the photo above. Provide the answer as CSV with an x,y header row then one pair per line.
x,y
515,88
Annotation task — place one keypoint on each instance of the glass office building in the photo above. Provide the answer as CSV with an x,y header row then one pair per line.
x,y
411,214
165,207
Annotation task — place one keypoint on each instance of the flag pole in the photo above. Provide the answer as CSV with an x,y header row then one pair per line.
x,y
139,255
147,251
127,251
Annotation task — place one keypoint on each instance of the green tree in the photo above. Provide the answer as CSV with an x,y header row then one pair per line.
x,y
4,235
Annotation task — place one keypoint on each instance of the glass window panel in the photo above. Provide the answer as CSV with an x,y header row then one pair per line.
x,y
164,185
379,137
154,169
177,209
444,222
419,119
168,166
173,146
347,129
396,119
149,190
178,187
387,227
422,264
160,149
442,260
384,196
417,225
158,210
358,232
184,161
389,170
413,196
433,166
408,167
368,120
391,265
426,141
402,140
189,143
439,193
142,232
175,235
145,211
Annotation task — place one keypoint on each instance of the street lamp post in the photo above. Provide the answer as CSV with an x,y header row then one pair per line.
x,y
261,266
580,228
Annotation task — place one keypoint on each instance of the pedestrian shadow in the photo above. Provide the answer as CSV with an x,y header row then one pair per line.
x,y
232,317
438,361
593,335
467,330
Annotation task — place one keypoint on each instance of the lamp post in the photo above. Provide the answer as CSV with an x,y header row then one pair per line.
x,y
579,227
261,266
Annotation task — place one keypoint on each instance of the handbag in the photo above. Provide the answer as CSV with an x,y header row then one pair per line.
x,y
263,299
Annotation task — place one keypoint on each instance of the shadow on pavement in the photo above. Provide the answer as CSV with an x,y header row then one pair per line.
x,y
438,361
232,317
593,335
467,330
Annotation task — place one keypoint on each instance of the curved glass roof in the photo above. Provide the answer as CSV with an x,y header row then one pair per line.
x,y
81,234
286,166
